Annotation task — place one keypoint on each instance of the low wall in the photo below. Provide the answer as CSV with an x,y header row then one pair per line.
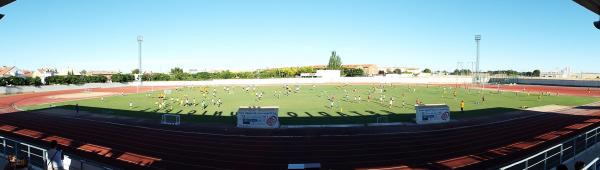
x,y
340,80
274,81
30,89
553,82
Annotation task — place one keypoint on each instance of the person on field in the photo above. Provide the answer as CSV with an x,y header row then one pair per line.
x,y
331,102
403,103
77,108
55,156
462,105
589,90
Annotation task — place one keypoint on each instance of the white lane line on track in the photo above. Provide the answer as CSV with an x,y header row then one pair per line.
x,y
299,136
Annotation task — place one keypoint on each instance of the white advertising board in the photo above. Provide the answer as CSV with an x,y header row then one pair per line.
x,y
258,117
432,113
328,73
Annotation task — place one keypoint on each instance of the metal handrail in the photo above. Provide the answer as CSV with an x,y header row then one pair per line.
x,y
593,163
591,134
27,151
43,156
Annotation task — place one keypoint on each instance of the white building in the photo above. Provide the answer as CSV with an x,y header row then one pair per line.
x,y
42,73
403,70
66,71
7,71
328,73
564,73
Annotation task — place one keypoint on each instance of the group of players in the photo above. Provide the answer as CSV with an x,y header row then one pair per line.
x,y
166,102
378,94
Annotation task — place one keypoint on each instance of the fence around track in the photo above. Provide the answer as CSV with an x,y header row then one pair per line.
x,y
561,153
37,157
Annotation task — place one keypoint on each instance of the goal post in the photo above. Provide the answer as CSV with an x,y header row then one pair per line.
x,y
382,119
170,119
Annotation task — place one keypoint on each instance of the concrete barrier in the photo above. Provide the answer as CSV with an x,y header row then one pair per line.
x,y
340,80
32,89
273,81
552,82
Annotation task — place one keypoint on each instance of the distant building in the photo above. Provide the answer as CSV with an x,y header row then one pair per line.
x,y
400,70
193,71
107,74
585,76
322,74
42,73
7,71
564,73
67,71
328,73
26,73
369,69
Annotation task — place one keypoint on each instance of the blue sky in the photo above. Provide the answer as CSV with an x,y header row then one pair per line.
x,y
245,34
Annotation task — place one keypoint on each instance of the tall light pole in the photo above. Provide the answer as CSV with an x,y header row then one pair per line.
x,y
140,39
477,78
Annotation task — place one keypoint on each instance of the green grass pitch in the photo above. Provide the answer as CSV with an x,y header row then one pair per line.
x,y
311,104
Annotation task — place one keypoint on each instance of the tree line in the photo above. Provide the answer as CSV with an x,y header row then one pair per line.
x,y
74,79
20,81
177,74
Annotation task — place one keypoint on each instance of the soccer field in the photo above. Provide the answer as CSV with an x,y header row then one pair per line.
x,y
308,104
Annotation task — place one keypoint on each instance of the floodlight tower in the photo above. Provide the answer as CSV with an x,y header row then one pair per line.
x,y
477,78
140,74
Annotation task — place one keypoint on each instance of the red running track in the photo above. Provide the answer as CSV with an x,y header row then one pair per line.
x,y
486,145
572,91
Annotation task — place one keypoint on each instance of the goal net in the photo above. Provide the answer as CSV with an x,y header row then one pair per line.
x,y
170,119
382,119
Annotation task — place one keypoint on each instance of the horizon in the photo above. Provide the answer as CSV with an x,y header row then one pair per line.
x,y
242,35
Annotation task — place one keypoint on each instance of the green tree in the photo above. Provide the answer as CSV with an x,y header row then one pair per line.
x,y
461,72
176,70
353,72
122,78
426,70
335,62
202,76
37,81
536,73
135,71
397,71
83,72
2,81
